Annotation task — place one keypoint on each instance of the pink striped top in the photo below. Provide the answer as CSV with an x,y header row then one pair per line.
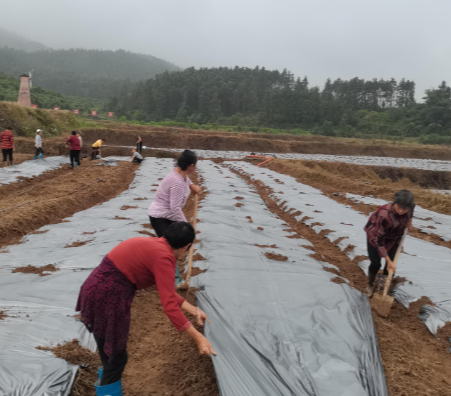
x,y
171,197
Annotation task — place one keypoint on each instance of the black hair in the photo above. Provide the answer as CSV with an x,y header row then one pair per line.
x,y
9,128
180,234
186,159
103,140
74,133
405,199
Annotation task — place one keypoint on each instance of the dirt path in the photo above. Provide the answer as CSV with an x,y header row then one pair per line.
x,y
32,203
416,363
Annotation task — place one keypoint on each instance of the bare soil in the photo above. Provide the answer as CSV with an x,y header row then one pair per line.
x,y
277,257
31,269
173,137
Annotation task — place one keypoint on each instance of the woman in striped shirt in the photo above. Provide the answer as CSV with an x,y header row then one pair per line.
x,y
172,195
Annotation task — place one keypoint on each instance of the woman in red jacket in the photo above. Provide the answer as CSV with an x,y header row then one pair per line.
x,y
106,296
75,149
384,231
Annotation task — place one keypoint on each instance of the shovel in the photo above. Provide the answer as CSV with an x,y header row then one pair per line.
x,y
382,304
185,286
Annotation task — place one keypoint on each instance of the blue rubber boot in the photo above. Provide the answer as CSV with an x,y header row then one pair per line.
x,y
40,155
114,389
35,157
100,370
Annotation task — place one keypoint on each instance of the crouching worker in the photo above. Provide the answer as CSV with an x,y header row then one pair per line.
x,y
136,157
106,296
384,231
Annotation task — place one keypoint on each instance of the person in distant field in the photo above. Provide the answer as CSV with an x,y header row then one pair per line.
x,y
136,157
171,196
384,231
75,149
81,142
139,145
7,143
96,149
38,145
106,297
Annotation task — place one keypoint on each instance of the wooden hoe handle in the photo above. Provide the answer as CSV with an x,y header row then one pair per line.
x,y
191,250
395,260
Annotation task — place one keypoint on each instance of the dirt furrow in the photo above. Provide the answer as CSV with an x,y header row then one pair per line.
x,y
416,363
161,361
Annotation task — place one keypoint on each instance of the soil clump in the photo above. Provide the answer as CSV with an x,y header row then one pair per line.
x,y
277,257
31,269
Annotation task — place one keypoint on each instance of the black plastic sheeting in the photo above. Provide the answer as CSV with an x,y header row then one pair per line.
x,y
425,164
31,168
279,327
425,265
40,309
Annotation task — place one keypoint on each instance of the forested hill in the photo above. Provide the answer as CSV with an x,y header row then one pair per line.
x,y
13,40
9,90
80,72
260,97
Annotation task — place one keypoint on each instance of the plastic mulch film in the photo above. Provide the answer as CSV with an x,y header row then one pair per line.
x,y
40,309
279,324
31,168
425,265
425,164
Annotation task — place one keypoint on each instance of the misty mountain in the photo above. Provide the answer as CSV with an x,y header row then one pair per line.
x,y
86,73
13,40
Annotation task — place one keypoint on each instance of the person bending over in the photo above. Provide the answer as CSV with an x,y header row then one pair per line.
x,y
171,196
106,296
136,157
384,231
96,149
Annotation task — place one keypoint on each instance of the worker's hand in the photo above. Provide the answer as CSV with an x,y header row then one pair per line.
x,y
390,265
201,316
195,189
205,348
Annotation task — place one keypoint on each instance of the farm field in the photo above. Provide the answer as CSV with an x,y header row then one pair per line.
x,y
279,264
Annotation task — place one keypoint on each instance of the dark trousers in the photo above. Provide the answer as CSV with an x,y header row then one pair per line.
x,y
375,259
95,153
74,158
137,160
39,151
112,370
7,153
160,225
139,147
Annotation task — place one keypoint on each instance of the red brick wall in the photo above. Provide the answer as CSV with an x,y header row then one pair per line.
x,y
24,92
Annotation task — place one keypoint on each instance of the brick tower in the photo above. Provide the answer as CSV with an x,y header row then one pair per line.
x,y
24,91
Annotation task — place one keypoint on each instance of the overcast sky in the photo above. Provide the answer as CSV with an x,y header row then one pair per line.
x,y
313,38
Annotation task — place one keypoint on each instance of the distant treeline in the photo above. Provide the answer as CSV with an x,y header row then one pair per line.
x,y
263,98
9,91
85,73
